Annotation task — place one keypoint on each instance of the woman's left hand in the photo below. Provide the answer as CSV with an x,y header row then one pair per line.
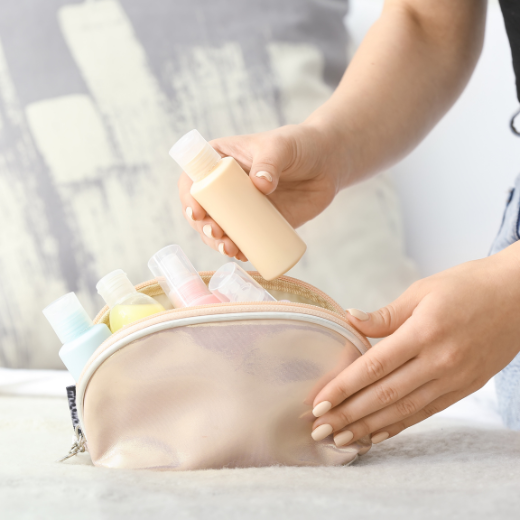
x,y
447,336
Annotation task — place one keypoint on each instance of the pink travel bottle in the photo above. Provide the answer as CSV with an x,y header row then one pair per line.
x,y
179,280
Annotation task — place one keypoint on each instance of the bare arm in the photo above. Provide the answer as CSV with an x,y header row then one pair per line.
x,y
411,67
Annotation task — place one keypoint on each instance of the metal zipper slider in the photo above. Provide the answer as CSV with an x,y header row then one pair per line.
x,y
78,444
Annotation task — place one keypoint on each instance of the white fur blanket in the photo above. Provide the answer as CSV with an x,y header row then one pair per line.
x,y
441,469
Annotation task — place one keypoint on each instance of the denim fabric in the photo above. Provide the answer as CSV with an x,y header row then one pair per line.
x,y
508,380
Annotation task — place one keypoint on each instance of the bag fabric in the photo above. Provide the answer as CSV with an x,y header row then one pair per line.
x,y
226,385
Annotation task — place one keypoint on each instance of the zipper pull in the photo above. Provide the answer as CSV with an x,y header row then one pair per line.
x,y
78,444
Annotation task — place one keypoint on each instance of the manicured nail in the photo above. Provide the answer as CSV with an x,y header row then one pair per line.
x,y
379,437
349,449
189,212
321,432
321,408
360,315
208,231
264,175
343,438
221,249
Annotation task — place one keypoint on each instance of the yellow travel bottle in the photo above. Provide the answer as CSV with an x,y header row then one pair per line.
x,y
126,304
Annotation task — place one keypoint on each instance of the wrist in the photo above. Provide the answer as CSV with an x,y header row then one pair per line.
x,y
334,146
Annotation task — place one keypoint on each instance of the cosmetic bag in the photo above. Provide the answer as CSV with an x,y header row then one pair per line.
x,y
221,385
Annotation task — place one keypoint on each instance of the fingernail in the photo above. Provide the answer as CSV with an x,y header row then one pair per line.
x,y
264,175
321,408
189,212
321,432
208,231
360,315
221,249
343,438
379,437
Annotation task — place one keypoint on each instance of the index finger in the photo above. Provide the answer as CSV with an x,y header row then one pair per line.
x,y
382,359
192,209
197,217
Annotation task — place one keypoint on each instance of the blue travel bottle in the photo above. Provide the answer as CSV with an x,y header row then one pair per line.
x,y
80,337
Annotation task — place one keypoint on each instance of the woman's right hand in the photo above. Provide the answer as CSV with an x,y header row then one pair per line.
x,y
298,167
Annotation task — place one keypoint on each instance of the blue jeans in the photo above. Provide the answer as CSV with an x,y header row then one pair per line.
x,y
508,380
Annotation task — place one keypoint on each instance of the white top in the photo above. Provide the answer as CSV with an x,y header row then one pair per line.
x,y
195,155
114,286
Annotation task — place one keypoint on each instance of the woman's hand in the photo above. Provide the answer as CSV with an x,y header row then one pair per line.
x,y
447,336
297,166
409,70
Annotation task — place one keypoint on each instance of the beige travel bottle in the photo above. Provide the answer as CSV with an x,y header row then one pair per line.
x,y
245,214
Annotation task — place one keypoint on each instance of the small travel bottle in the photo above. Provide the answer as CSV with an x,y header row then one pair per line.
x,y
246,215
80,337
179,280
231,283
126,304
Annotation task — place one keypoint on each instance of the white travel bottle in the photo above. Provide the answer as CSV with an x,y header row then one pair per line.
x,y
245,214
231,283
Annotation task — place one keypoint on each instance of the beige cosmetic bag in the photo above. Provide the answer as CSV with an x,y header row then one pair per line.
x,y
213,386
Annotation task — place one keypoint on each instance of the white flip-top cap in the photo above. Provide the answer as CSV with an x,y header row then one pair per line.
x,y
231,283
195,155
114,287
67,317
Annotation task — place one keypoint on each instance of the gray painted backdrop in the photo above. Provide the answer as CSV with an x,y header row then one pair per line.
x,y
93,94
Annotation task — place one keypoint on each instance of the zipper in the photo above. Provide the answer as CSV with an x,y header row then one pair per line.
x,y
152,288
79,445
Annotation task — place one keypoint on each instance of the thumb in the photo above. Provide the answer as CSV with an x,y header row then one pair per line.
x,y
265,156
269,161
386,320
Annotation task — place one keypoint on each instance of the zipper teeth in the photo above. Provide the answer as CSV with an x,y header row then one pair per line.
x,y
293,282
154,289
264,306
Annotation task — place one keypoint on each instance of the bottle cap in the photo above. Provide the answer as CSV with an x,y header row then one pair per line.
x,y
231,283
195,155
67,317
179,280
114,287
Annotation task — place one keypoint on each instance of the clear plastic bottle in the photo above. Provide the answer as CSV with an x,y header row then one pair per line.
x,y
179,280
80,337
231,283
247,216
126,304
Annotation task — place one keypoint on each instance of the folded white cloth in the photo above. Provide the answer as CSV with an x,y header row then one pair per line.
x,y
437,469
50,383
